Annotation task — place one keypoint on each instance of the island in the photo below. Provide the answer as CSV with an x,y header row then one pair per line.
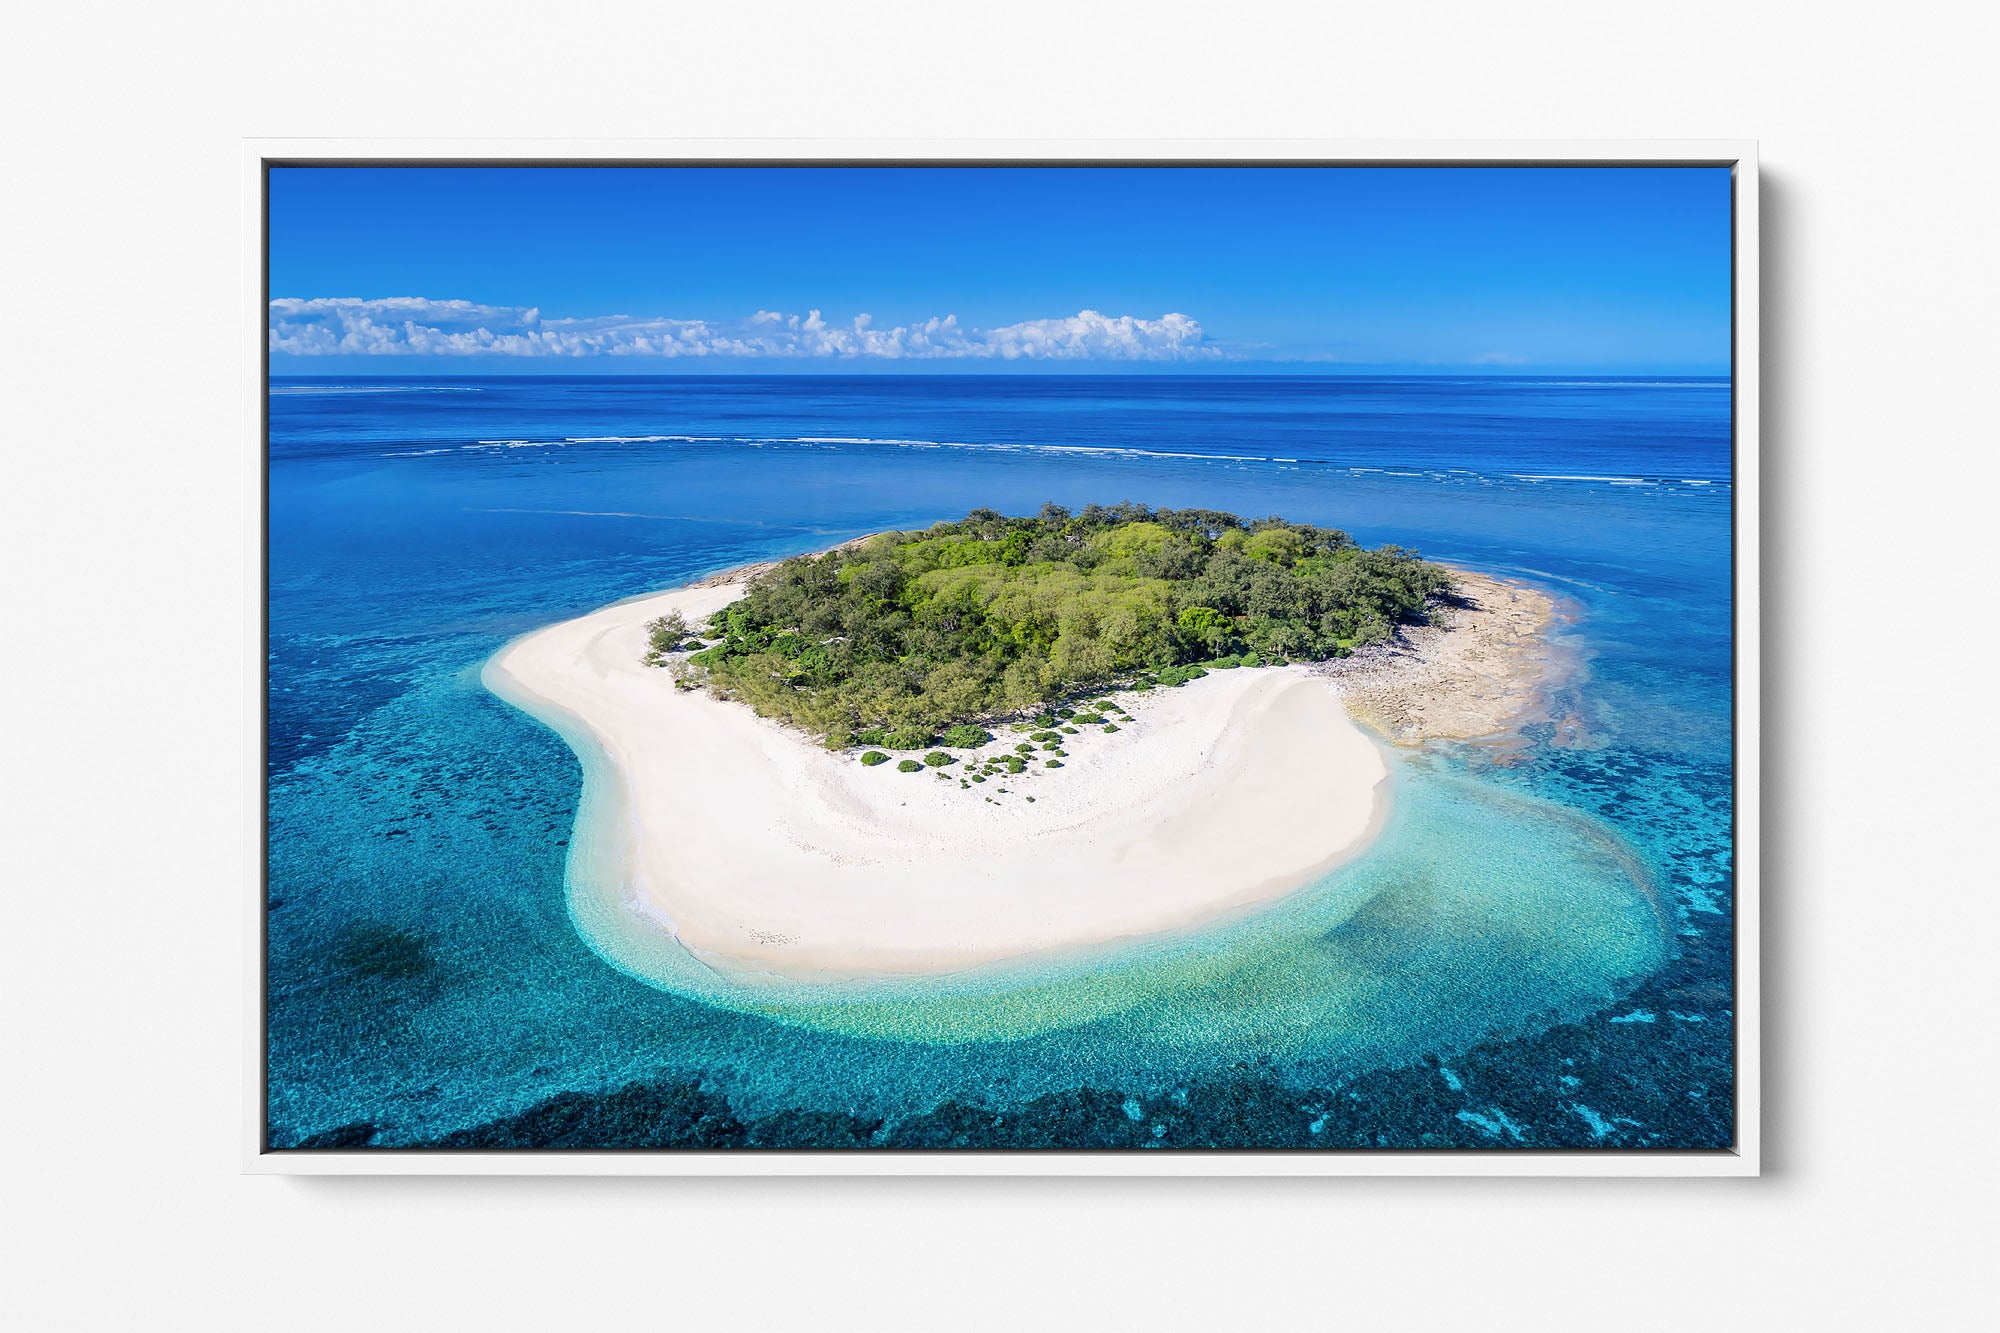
x,y
998,738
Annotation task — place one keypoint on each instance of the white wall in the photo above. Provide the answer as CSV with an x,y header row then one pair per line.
x,y
124,505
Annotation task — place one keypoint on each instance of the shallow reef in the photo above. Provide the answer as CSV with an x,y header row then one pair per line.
x,y
1653,1074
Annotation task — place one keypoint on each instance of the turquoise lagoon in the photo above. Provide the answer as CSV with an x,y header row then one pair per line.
x,y
1536,951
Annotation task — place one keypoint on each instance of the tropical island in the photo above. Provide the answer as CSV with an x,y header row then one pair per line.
x,y
1111,723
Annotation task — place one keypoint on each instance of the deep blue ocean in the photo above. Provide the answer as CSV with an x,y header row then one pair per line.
x,y
1545,958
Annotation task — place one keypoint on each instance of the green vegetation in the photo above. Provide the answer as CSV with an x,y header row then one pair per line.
x,y
908,766
911,634
938,759
665,634
874,757
896,738
1179,675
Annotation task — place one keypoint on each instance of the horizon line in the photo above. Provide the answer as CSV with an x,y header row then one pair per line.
x,y
1358,372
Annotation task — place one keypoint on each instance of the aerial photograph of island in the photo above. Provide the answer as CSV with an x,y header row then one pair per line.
x,y
957,658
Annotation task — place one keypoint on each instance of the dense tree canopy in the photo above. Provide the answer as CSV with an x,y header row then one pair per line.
x,y
911,632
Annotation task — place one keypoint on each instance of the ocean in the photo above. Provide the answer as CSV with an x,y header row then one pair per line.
x,y
1537,952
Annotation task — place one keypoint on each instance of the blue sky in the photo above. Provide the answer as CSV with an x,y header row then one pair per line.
x,y
664,270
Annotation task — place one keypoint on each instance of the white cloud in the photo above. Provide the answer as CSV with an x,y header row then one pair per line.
x,y
417,326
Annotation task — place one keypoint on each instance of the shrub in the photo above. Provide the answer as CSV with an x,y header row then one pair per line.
x,y
711,657
1180,675
1068,731
872,736
668,633
1065,712
979,777
1046,736
1110,727
908,738
908,766
874,757
1025,747
1088,719
1016,764
1053,763
938,759
966,737
1055,744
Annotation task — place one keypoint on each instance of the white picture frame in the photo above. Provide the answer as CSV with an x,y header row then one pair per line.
x,y
1742,1160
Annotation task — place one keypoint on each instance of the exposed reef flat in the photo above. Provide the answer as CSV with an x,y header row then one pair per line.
x,y
1477,673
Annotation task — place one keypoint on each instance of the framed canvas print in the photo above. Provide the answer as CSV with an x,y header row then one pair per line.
x,y
1121,658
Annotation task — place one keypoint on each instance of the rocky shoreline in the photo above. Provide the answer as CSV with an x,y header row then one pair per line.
x,y
1476,674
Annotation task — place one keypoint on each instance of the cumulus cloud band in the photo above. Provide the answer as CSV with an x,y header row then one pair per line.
x,y
420,326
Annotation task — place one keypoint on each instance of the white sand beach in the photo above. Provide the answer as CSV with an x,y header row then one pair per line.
x,y
764,853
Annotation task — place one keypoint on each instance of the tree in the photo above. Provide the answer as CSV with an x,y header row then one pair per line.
x,y
667,633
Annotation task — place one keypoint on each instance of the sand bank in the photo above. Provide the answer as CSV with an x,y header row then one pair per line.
x,y
764,853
